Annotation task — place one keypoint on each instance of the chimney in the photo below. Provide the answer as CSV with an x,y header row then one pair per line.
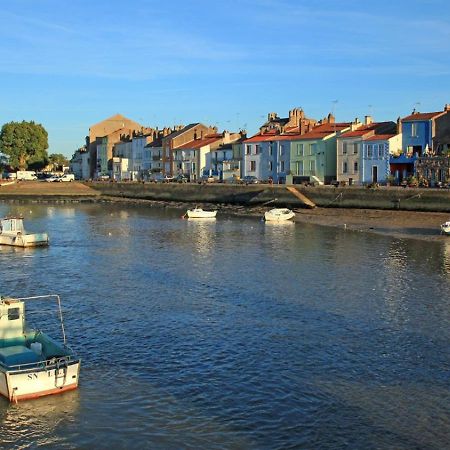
x,y
354,125
399,126
368,120
447,107
331,118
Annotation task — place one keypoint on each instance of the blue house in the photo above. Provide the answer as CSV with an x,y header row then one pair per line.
x,y
418,131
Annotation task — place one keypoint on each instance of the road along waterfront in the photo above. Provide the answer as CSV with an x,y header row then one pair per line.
x,y
235,333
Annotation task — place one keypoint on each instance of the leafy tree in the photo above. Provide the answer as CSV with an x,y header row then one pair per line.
x,y
58,159
26,143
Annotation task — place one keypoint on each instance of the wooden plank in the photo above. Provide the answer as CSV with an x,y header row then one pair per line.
x,y
305,200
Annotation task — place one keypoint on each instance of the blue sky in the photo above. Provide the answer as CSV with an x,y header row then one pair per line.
x,y
69,65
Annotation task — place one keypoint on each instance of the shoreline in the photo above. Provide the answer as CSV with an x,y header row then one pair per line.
x,y
395,223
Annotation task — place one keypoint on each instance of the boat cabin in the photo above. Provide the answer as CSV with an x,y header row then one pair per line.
x,y
12,225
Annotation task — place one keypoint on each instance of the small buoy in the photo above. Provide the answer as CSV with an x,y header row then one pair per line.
x,y
110,234
345,226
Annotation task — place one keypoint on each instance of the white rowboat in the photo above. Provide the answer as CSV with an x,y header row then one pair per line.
x,y
279,215
199,213
445,228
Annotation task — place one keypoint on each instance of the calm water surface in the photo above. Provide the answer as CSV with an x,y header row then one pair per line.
x,y
235,334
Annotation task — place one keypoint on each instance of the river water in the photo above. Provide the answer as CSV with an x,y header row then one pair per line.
x,y
234,333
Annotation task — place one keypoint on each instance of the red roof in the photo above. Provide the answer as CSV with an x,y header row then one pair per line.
x,y
380,137
361,131
324,130
422,116
198,143
268,136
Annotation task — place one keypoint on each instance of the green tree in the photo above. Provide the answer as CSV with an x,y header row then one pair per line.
x,y
58,159
26,143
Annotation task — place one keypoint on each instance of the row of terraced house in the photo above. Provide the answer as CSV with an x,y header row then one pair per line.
x,y
291,150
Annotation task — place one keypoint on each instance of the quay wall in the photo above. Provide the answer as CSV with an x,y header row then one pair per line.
x,y
410,199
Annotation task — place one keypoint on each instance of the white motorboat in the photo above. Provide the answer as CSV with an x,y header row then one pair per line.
x,y
445,228
279,215
12,232
199,213
32,364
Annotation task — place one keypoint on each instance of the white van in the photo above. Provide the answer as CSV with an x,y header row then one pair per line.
x,y
26,175
67,177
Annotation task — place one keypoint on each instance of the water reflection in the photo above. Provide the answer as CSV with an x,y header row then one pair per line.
x,y
42,422
233,333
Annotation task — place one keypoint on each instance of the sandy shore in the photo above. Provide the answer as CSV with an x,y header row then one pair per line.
x,y
402,224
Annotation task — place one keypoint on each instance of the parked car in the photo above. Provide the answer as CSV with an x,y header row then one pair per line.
x,y
181,179
53,178
67,177
207,179
250,179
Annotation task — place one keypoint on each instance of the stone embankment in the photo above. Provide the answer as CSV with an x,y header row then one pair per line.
x,y
394,198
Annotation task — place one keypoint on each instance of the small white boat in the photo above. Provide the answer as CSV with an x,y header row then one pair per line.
x,y
279,215
32,364
445,228
199,213
12,232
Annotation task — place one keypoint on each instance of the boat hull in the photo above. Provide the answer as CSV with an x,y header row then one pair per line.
x,y
192,214
275,216
445,230
24,240
18,385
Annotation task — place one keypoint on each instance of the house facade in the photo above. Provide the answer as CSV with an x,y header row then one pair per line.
x,y
179,137
349,149
377,151
79,164
111,128
313,155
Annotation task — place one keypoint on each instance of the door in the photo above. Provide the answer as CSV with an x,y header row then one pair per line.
x,y
374,174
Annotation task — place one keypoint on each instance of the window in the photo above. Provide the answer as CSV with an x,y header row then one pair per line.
x,y
270,150
414,130
312,167
282,166
380,150
344,148
13,313
253,166
344,167
299,149
370,151
281,150
257,149
248,149
355,148
355,166
313,149
270,166
299,167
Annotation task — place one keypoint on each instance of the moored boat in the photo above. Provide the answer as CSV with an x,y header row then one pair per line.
x,y
12,232
199,213
279,215
32,364
445,228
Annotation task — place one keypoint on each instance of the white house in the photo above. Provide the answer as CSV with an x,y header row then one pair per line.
x,y
79,164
